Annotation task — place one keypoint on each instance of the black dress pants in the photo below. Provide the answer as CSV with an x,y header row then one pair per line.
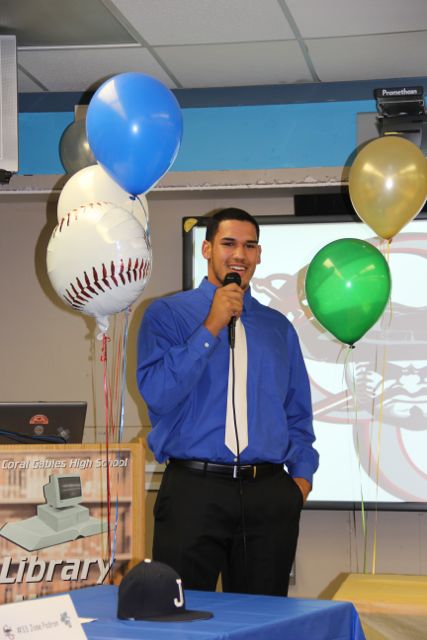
x,y
199,530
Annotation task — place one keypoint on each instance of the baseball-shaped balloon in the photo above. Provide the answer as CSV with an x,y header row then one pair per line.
x,y
99,260
93,184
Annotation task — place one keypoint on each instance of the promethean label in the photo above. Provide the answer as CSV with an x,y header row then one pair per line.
x,y
399,92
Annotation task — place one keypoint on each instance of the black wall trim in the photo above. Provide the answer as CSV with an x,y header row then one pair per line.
x,y
328,204
235,96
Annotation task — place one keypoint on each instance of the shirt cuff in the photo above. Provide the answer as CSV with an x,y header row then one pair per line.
x,y
302,470
202,342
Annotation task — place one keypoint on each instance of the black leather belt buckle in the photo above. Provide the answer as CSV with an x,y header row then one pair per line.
x,y
244,471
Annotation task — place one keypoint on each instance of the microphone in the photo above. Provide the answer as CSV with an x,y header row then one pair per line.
x,y
231,278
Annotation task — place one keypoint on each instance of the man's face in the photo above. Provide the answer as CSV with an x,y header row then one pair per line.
x,y
233,248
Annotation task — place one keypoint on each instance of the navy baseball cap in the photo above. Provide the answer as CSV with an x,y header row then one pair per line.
x,y
154,591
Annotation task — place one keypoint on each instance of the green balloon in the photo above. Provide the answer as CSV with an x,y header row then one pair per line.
x,y
347,286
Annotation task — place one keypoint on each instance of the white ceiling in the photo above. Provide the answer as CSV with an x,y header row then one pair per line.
x,y
74,45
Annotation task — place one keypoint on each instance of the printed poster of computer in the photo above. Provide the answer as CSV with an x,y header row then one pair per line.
x,y
55,516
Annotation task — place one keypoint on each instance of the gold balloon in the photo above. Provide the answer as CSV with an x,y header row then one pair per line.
x,y
388,184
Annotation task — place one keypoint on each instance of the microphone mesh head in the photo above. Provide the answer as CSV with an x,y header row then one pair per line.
x,y
232,278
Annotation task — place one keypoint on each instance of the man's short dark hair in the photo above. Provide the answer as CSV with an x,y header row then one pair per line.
x,y
230,213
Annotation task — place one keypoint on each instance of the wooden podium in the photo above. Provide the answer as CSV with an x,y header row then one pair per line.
x,y
391,607
105,492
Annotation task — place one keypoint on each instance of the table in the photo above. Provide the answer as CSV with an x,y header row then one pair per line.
x,y
236,617
391,607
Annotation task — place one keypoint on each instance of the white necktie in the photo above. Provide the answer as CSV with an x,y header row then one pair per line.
x,y
240,368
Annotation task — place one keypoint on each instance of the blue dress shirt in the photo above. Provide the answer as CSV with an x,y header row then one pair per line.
x,y
182,374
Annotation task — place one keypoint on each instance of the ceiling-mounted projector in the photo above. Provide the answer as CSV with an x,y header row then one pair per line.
x,y
401,110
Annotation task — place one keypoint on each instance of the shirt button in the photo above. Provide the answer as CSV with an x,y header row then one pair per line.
x,y
206,345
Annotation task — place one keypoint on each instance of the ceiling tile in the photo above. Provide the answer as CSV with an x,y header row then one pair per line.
x,y
214,43
236,64
331,18
172,22
61,22
84,69
369,57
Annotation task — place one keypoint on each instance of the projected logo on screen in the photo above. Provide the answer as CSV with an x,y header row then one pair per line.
x,y
388,375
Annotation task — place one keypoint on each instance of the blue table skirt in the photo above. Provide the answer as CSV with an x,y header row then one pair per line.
x,y
236,616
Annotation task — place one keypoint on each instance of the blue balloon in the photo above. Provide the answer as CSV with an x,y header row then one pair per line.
x,y
134,128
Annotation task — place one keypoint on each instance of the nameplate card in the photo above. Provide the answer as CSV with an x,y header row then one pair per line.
x,y
47,618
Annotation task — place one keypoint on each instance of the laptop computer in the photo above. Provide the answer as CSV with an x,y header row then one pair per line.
x,y
42,422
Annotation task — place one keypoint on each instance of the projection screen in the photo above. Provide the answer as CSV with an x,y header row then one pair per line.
x,y
369,403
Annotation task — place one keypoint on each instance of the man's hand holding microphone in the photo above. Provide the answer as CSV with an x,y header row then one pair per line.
x,y
227,305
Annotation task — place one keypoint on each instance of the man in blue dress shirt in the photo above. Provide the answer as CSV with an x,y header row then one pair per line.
x,y
218,512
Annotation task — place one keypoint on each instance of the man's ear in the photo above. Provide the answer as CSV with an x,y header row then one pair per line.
x,y
206,249
259,254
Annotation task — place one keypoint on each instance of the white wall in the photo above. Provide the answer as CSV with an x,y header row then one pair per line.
x,y
49,352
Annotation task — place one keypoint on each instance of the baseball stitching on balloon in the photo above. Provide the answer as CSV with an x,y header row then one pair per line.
x,y
73,215
85,289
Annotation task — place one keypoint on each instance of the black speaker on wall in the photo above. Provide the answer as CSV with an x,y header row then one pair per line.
x,y
329,204
313,204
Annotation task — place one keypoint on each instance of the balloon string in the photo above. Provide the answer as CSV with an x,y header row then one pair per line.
x,y
114,385
377,472
116,524
147,222
124,367
346,361
380,423
104,360
111,383
116,376
387,252
390,302
115,412
116,518
116,373
121,372
354,519
349,362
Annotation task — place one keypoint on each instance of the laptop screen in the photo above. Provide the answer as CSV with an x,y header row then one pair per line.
x,y
42,422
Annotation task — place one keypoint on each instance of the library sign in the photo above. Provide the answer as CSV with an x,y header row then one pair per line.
x,y
55,516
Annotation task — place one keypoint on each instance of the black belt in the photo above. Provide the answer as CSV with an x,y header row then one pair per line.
x,y
261,470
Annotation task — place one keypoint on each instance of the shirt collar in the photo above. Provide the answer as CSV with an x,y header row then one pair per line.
x,y
208,289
